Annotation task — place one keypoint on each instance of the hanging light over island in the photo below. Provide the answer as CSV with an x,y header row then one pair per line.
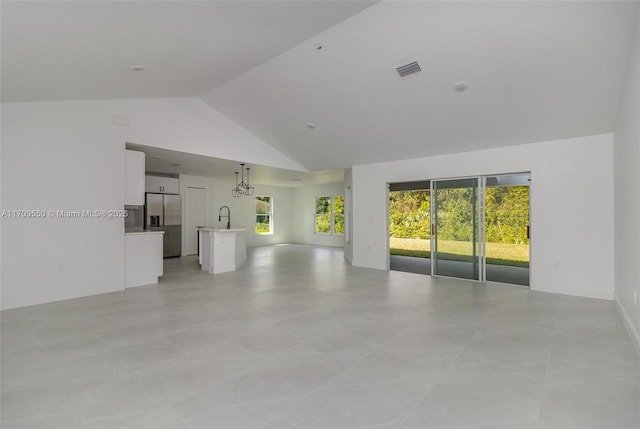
x,y
242,188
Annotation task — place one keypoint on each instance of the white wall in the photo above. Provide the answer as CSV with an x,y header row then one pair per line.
x,y
69,156
1,207
56,156
190,125
348,214
627,193
304,214
571,207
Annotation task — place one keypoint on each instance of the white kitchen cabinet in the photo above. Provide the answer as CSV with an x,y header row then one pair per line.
x,y
143,262
162,185
134,182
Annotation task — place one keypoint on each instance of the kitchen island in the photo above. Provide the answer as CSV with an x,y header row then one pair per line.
x,y
222,250
143,260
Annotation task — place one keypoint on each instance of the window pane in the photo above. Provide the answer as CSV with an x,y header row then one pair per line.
x,y
323,223
263,223
338,227
263,215
323,205
338,205
263,205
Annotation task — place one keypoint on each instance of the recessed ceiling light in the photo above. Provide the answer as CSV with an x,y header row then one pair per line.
x,y
311,126
138,67
461,86
157,157
297,179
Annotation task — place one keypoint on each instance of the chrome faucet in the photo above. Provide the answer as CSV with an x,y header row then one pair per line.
x,y
228,216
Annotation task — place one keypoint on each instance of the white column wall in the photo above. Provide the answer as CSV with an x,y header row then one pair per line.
x,y
348,212
58,157
627,193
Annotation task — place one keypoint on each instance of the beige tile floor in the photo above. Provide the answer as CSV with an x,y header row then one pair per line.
x,y
299,339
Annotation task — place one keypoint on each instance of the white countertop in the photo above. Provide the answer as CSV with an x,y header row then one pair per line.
x,y
144,232
222,229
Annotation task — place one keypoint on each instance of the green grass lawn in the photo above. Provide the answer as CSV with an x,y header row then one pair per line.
x,y
516,255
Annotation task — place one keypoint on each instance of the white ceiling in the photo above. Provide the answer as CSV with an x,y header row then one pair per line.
x,y
71,50
537,70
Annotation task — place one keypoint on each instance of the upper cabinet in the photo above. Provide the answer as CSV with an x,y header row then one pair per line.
x,y
162,185
134,178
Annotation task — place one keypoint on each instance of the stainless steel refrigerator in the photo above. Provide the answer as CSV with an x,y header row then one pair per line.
x,y
163,212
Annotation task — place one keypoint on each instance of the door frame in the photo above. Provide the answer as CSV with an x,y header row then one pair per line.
x,y
481,233
387,217
479,224
529,235
186,209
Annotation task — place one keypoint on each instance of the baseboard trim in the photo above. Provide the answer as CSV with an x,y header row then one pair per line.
x,y
626,320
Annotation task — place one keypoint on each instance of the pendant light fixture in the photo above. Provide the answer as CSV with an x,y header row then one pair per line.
x,y
248,189
242,188
235,192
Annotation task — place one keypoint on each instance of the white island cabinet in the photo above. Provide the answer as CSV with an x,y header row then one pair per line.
x,y
222,250
143,260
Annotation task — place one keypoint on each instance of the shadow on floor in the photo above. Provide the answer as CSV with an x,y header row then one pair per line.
x,y
495,273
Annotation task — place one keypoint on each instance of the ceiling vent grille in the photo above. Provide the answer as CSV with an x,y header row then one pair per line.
x,y
408,69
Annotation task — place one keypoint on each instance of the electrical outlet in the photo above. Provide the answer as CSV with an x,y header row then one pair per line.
x,y
61,268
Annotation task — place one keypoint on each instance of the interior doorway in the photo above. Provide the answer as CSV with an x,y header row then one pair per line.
x,y
474,228
195,215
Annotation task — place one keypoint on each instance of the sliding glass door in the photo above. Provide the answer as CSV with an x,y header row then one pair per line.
x,y
506,206
456,236
410,227
480,228
474,228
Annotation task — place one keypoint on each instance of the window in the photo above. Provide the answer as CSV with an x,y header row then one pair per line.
x,y
264,215
330,215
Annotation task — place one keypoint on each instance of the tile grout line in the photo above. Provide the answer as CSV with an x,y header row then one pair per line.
x,y
544,381
78,413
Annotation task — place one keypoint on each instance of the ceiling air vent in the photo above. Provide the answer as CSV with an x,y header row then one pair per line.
x,y
408,69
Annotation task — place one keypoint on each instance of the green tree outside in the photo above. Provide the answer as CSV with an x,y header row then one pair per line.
x,y
338,214
507,218
325,207
263,215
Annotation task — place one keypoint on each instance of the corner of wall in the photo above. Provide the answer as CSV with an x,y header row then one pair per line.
x,y
628,324
626,186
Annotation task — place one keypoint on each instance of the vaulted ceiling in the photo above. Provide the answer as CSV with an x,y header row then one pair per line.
x,y
72,50
316,79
